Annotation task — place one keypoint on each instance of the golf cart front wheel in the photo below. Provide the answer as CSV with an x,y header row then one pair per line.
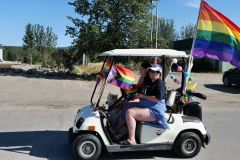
x,y
87,147
226,82
188,145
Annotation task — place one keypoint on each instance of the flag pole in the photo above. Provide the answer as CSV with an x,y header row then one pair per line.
x,y
190,59
194,38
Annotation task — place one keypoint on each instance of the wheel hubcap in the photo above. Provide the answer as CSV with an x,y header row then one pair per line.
x,y
87,149
189,146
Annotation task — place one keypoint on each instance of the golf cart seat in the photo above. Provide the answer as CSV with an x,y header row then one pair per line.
x,y
147,133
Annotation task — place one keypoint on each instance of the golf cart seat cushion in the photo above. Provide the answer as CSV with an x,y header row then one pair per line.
x,y
147,133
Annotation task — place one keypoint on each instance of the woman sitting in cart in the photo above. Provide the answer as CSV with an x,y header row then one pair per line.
x,y
151,107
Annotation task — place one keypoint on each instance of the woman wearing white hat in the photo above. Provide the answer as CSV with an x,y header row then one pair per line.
x,y
151,107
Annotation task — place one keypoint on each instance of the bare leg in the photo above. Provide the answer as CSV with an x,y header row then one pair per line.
x,y
134,114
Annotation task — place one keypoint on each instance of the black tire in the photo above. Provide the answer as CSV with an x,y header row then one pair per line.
x,y
226,82
87,147
71,136
188,145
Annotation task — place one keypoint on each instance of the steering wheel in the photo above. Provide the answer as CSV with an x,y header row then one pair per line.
x,y
126,95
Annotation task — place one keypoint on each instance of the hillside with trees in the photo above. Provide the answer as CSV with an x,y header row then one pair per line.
x,y
99,26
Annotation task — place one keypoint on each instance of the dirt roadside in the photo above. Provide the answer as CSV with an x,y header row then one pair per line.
x,y
19,92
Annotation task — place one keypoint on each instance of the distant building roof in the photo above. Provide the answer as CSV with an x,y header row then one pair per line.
x,y
183,45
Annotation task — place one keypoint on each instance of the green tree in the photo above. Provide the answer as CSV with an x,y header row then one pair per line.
x,y
39,44
166,33
28,43
11,53
51,38
39,37
110,24
187,32
50,43
64,58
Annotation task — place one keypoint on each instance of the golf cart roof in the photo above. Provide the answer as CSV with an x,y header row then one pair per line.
x,y
145,52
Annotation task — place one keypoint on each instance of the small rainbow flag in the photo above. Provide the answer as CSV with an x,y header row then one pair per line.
x,y
217,37
106,68
122,77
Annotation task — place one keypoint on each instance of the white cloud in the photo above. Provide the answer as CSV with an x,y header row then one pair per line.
x,y
191,3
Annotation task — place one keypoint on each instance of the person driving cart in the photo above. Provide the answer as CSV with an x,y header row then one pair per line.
x,y
144,78
151,107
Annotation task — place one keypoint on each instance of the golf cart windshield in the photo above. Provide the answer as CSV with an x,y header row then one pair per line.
x,y
164,55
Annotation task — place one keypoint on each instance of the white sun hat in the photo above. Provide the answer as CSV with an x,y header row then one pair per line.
x,y
157,68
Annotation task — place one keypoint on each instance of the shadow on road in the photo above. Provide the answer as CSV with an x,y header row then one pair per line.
x,y
139,155
52,145
57,75
222,88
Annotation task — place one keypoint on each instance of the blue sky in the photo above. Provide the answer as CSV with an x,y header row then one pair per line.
x,y
15,14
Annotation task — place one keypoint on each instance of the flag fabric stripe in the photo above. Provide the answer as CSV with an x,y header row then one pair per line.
x,y
212,54
208,49
120,83
121,77
127,74
218,47
218,37
133,90
118,75
217,27
112,74
106,68
209,13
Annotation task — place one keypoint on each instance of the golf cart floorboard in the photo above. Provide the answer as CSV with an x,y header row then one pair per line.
x,y
139,147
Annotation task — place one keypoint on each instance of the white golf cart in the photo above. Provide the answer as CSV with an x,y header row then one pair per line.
x,y
90,132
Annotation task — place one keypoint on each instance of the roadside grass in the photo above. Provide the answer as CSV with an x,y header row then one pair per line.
x,y
91,68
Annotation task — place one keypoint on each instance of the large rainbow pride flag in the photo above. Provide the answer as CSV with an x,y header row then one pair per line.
x,y
217,37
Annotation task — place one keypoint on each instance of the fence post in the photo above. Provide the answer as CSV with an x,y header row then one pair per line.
x,y
84,59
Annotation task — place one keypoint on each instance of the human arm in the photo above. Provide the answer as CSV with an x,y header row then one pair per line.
x,y
141,81
150,98
144,73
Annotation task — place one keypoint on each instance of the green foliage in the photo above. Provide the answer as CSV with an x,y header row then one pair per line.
x,y
28,38
39,44
106,25
63,58
166,33
76,70
13,53
187,32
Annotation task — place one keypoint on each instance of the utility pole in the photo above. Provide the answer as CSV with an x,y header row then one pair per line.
x,y
156,27
156,24
152,26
